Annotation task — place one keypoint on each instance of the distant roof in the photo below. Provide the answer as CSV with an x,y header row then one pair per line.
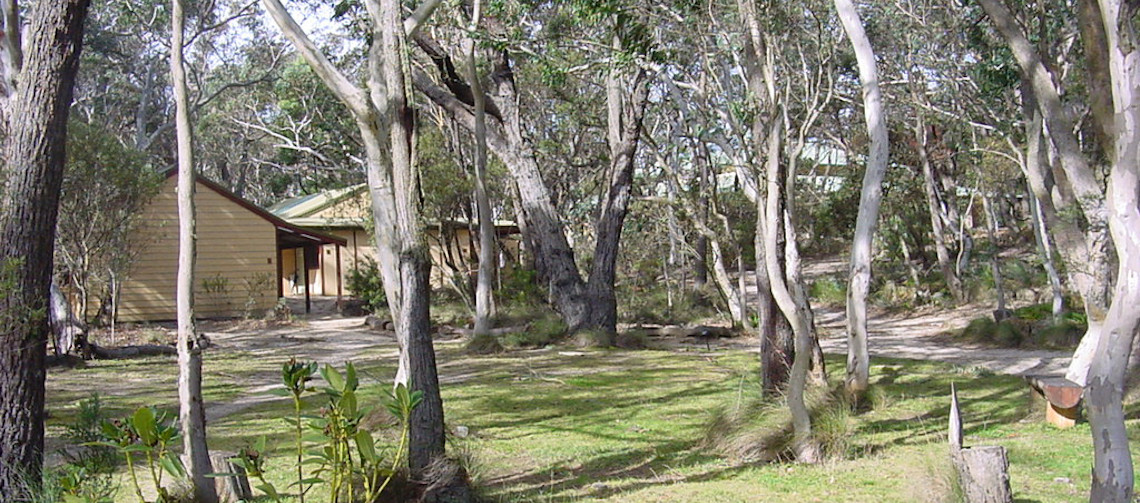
x,y
299,211
301,207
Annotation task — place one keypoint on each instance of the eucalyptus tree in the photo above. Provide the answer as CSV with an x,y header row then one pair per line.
x,y
859,282
36,86
1085,248
624,41
105,186
384,118
694,139
484,301
779,132
191,410
1112,476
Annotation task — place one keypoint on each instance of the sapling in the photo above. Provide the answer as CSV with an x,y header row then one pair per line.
x,y
296,376
146,432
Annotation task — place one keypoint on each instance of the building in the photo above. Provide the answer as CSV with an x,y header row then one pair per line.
x,y
347,214
238,268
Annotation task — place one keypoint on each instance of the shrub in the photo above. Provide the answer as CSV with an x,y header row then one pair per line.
x,y
979,330
1008,333
519,285
594,339
1066,334
484,344
829,290
367,284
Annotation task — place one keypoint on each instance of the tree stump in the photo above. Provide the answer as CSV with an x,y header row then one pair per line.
x,y
232,488
983,473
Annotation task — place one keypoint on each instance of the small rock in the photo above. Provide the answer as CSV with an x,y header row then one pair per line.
x,y
1063,480
598,486
462,431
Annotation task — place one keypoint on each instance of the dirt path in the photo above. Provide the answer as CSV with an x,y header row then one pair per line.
x,y
921,336
327,339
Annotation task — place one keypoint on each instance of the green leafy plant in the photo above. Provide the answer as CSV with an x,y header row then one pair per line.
x,y
87,475
365,282
149,434
296,376
250,458
400,403
350,451
339,424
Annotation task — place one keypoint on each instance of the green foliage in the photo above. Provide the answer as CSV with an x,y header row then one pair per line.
x,y
367,284
149,434
518,285
105,186
347,450
255,288
1030,326
87,475
831,223
542,328
828,290
296,376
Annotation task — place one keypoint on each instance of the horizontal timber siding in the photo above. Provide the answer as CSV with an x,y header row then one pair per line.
x,y
235,267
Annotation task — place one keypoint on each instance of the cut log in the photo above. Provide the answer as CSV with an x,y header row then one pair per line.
x,y
983,474
103,353
1062,398
232,485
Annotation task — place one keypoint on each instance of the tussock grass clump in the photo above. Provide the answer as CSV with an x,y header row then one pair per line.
x,y
632,340
483,344
761,430
594,339
1030,327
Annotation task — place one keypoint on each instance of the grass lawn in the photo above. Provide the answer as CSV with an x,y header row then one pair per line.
x,y
618,425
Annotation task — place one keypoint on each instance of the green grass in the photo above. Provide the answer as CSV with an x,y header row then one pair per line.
x,y
558,425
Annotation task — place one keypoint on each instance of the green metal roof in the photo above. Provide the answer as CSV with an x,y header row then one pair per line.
x,y
308,205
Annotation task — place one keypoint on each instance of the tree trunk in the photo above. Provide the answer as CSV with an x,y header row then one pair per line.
x,y
624,126
995,265
774,210
33,173
385,121
542,227
859,283
1092,274
1112,479
777,341
484,301
934,204
191,412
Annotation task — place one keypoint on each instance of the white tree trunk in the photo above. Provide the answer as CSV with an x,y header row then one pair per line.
x,y
1112,467
191,413
384,118
1092,279
484,300
859,283
787,299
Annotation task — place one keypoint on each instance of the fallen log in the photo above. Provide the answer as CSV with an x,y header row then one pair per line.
x,y
102,353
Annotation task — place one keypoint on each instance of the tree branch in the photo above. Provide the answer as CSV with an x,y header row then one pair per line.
x,y
352,96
